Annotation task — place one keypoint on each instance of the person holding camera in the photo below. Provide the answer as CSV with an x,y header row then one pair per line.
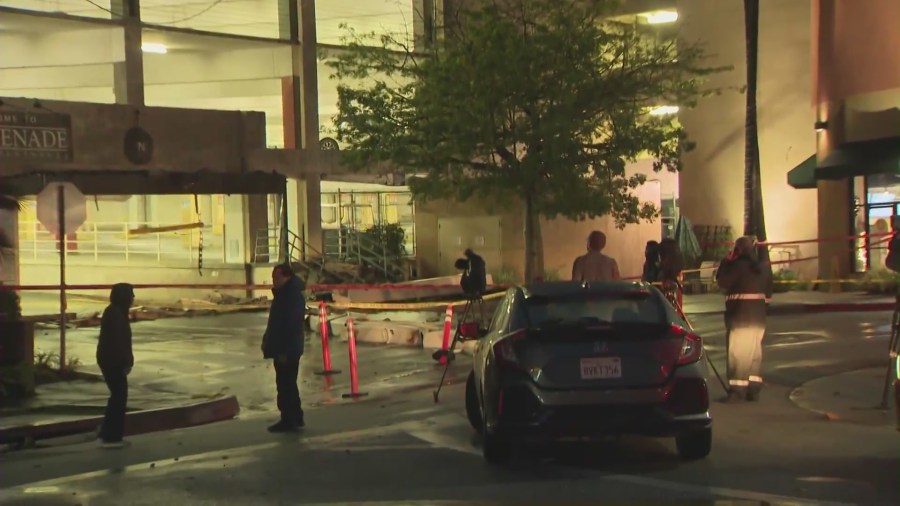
x,y
474,276
594,265
742,278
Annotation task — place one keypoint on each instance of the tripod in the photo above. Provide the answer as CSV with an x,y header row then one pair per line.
x,y
468,310
893,351
670,290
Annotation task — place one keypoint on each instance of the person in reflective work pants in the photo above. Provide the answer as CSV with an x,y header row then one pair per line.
x,y
745,284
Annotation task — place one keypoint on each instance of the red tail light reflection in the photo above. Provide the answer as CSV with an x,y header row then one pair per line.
x,y
691,345
504,351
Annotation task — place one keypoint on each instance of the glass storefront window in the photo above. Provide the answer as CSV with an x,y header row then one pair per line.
x,y
334,20
859,226
208,72
882,198
52,58
95,9
251,18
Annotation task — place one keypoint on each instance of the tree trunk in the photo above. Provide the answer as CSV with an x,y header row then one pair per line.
x,y
534,265
754,216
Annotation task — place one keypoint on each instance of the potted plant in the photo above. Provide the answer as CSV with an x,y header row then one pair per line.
x,y
16,349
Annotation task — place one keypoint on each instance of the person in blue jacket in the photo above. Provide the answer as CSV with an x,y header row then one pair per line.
x,y
283,342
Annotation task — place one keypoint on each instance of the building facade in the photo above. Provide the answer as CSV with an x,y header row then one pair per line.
x,y
829,88
179,76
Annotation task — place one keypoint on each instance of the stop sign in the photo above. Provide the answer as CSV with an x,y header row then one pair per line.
x,y
48,207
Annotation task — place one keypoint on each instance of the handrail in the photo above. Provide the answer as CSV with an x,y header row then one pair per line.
x,y
296,245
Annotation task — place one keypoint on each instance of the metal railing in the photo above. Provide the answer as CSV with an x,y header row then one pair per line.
x,y
105,242
268,244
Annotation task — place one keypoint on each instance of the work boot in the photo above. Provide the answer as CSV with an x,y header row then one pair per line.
x,y
753,394
283,426
114,445
733,396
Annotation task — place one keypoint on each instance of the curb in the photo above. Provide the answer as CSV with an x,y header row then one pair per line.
x,y
796,396
826,307
136,422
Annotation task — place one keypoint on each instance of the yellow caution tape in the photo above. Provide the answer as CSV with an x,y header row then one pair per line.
x,y
399,306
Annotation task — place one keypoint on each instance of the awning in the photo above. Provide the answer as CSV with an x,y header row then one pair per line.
x,y
803,176
880,156
138,182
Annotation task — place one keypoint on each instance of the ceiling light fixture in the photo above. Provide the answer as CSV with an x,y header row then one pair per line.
x,y
153,47
660,17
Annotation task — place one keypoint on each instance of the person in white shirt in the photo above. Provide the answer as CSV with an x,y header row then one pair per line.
x,y
594,265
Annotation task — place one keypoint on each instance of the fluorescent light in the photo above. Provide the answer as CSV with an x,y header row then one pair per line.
x,y
153,47
660,17
664,110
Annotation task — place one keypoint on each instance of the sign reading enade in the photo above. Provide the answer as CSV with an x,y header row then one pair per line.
x,y
26,135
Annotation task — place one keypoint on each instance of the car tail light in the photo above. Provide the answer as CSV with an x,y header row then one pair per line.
x,y
691,346
504,351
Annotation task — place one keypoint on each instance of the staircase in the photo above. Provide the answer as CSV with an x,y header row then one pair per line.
x,y
349,257
308,262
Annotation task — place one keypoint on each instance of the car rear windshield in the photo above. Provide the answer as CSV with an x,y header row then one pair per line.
x,y
639,307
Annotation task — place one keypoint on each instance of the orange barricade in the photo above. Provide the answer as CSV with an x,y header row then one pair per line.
x,y
354,374
445,339
323,333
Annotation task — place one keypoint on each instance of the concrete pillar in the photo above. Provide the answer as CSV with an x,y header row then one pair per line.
x,y
128,76
423,23
9,259
309,116
834,197
300,110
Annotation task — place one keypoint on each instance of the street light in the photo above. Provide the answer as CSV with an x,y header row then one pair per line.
x,y
661,17
664,110
153,47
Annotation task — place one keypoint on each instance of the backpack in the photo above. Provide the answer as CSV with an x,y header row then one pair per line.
x,y
892,261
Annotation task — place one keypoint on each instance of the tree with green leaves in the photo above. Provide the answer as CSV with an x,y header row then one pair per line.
x,y
537,102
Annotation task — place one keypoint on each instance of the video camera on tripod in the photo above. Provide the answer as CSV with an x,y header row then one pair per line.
x,y
474,274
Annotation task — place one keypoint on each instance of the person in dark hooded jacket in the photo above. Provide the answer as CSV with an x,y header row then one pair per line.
x,y
283,342
651,262
115,358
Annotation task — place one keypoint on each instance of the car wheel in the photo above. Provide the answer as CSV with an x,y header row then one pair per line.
x,y
496,446
473,407
694,445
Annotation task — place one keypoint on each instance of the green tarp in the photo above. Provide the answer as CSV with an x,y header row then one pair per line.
x,y
803,176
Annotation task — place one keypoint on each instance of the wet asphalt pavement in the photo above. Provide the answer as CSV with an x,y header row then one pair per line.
x,y
399,447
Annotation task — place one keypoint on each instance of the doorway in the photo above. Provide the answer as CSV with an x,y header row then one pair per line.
x,y
481,233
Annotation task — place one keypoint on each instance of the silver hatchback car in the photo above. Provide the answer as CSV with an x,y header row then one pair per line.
x,y
570,359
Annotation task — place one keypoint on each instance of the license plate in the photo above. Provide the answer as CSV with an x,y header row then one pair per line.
x,y
601,368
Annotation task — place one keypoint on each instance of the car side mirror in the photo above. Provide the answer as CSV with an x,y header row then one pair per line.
x,y
471,330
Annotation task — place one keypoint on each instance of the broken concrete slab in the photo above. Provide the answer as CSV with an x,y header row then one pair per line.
x,y
447,286
433,340
389,333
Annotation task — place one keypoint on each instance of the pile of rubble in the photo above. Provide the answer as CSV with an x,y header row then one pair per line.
x,y
216,304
